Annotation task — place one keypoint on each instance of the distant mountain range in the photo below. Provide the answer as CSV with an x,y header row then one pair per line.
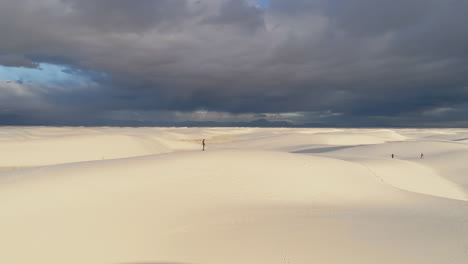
x,y
255,123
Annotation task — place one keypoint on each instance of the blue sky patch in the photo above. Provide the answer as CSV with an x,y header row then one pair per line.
x,y
46,73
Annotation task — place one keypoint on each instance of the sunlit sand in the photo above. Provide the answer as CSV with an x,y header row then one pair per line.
x,y
255,196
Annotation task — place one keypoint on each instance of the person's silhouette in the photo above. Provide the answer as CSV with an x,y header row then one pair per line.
x,y
393,155
203,143
422,156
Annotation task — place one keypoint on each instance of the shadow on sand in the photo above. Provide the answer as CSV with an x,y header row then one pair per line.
x,y
323,150
460,139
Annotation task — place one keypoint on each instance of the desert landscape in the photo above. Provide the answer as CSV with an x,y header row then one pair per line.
x,y
108,195
233,132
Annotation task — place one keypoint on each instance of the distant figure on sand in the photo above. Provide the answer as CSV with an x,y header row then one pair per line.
x,y
422,156
393,155
203,143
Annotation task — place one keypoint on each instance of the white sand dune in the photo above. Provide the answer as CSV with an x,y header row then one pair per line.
x,y
156,198
45,147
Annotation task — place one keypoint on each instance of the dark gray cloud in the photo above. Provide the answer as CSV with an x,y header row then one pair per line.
x,y
13,60
122,16
368,17
239,14
354,62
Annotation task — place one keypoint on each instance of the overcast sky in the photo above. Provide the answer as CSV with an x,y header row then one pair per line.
x,y
149,62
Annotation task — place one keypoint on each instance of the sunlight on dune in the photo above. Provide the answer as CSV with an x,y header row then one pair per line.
x,y
150,195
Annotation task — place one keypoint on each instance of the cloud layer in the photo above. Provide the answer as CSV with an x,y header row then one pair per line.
x,y
336,62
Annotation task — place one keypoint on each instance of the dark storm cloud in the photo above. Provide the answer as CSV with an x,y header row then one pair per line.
x,y
297,6
354,62
13,60
370,17
134,16
238,13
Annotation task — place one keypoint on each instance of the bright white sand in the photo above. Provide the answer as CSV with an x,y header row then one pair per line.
x,y
298,196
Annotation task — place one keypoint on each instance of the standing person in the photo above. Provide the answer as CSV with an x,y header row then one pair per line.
x,y
422,156
393,155
203,143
